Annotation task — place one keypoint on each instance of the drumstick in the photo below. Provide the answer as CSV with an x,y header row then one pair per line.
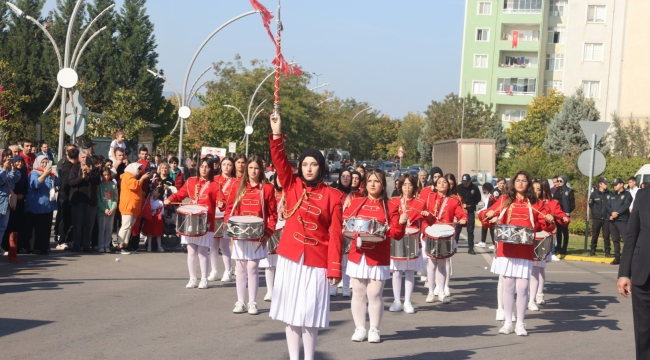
x,y
555,216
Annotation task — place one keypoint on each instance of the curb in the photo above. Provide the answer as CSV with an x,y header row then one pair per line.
x,y
586,259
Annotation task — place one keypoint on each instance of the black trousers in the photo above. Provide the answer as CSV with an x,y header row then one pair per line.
x,y
484,232
618,229
641,313
470,230
596,226
562,238
42,225
83,217
65,212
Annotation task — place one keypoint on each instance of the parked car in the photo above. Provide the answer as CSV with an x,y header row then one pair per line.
x,y
388,167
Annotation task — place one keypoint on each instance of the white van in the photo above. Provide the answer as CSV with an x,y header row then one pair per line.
x,y
643,175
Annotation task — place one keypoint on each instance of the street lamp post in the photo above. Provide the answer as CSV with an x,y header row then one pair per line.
x,y
326,100
318,87
364,110
67,76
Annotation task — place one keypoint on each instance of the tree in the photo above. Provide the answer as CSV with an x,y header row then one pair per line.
x,y
10,103
424,148
565,137
500,140
120,115
629,138
408,134
531,132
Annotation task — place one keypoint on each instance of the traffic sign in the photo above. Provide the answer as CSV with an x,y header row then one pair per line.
x,y
584,163
400,152
589,128
232,147
75,121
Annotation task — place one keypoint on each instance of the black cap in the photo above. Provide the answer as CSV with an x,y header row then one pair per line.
x,y
89,144
466,179
617,181
602,181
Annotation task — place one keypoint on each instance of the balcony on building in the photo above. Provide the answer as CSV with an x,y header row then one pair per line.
x,y
518,60
522,6
516,86
522,37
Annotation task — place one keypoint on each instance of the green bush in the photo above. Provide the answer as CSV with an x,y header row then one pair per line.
x,y
577,227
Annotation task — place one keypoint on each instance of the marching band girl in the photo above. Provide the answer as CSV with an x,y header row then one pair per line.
x,y
362,173
519,207
369,262
271,261
310,249
202,190
240,165
345,187
446,210
228,182
407,203
538,276
453,193
254,197
428,195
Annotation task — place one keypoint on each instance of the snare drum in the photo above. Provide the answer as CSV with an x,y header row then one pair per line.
x,y
408,247
517,235
439,242
192,220
274,240
368,230
219,227
245,227
543,245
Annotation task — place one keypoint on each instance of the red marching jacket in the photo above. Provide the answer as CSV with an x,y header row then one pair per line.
x,y
227,185
377,253
555,209
414,208
313,217
452,210
254,203
518,213
209,198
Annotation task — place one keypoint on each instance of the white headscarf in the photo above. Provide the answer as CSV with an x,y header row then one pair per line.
x,y
133,168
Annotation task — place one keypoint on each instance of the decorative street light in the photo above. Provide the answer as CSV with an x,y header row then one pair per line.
x,y
317,76
364,110
318,87
67,77
326,100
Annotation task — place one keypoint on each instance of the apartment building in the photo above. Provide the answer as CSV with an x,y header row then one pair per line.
x,y
514,50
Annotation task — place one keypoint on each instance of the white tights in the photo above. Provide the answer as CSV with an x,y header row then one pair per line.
x,y
370,292
247,272
269,275
509,285
537,280
223,244
439,267
201,252
397,284
309,336
150,239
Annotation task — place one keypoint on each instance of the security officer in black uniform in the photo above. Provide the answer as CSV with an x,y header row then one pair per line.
x,y
618,209
598,204
471,197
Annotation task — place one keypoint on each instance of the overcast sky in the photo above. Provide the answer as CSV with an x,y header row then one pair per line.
x,y
396,55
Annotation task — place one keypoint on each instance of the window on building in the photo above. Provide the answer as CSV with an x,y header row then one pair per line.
x,y
480,61
552,84
557,7
522,6
484,8
513,115
479,87
516,86
593,52
591,89
555,62
482,34
596,13
556,35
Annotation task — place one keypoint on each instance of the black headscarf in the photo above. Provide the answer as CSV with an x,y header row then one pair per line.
x,y
321,166
352,173
436,170
22,185
339,184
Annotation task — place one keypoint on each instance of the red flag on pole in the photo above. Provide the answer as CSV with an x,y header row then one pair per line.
x,y
515,38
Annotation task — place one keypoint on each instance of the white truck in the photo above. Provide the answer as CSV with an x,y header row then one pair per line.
x,y
465,156
335,157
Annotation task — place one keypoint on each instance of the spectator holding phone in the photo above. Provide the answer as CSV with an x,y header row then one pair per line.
x,y
84,179
41,203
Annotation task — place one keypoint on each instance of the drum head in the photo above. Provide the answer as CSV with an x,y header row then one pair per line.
x,y
411,231
218,214
192,209
440,231
246,219
541,235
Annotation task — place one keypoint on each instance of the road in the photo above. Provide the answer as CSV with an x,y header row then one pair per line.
x,y
73,306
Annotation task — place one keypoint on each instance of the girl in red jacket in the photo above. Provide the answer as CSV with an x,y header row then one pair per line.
x,y
202,190
228,182
369,262
518,207
254,197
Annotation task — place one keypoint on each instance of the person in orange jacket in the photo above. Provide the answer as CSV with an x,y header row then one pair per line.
x,y
131,198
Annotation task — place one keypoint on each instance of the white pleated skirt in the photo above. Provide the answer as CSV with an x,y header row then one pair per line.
x,y
205,240
511,267
269,261
246,250
300,294
364,271
542,264
406,265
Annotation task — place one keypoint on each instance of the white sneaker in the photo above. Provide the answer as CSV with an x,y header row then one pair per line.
x,y
430,298
160,249
436,291
203,284
397,306
62,246
408,307
252,308
240,307
333,290
521,330
227,277
481,245
373,335
507,329
212,276
491,247
532,306
191,284
346,292
539,299
423,279
501,315
359,334
126,252
555,258
444,299
268,296
447,292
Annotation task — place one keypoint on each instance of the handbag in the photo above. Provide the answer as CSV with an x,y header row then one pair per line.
x,y
13,199
53,192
